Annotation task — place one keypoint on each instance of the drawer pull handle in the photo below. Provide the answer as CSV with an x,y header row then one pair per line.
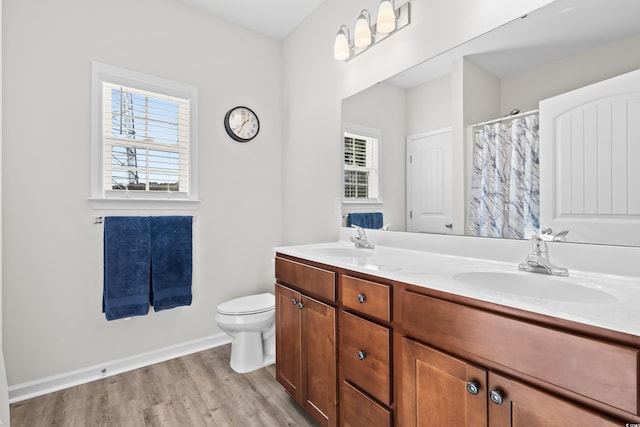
x,y
361,354
473,387
496,397
294,301
362,298
300,305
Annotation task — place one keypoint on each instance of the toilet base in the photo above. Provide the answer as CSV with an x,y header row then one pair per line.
x,y
247,352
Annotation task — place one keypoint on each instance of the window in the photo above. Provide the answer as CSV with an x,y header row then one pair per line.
x,y
361,164
144,135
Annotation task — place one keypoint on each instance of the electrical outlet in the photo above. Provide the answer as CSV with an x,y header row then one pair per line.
x,y
337,206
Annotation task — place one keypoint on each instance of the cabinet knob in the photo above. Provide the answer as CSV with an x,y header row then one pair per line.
x,y
300,305
361,354
362,298
294,301
496,397
473,387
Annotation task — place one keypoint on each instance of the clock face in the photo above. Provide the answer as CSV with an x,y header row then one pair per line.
x,y
241,124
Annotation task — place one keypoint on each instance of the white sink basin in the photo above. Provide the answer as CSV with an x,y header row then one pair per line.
x,y
343,252
538,286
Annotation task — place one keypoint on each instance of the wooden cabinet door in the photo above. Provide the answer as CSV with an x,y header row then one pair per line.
x,y
525,406
434,389
306,353
319,361
289,341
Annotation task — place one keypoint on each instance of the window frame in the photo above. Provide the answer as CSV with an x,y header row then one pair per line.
x,y
102,199
367,133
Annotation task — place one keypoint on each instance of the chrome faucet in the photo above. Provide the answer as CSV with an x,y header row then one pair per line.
x,y
538,260
547,235
361,238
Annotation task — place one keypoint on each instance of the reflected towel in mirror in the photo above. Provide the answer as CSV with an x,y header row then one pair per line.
x,y
371,220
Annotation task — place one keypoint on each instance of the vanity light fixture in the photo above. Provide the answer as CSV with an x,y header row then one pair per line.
x,y
365,35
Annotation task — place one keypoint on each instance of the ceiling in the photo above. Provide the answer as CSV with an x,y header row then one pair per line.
x,y
273,18
561,28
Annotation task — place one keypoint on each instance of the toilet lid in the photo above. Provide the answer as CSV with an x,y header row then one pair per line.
x,y
251,304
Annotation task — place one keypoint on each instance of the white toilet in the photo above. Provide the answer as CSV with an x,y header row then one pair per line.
x,y
250,321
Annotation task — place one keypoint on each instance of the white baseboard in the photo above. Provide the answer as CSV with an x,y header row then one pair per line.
x,y
53,383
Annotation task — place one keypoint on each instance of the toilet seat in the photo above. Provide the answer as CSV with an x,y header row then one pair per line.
x,y
252,304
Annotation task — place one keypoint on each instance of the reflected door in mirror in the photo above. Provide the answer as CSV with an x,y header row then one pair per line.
x,y
590,181
429,182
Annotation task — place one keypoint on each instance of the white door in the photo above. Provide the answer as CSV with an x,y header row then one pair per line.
x,y
429,182
589,157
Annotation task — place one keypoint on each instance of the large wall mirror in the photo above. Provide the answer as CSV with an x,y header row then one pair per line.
x,y
444,167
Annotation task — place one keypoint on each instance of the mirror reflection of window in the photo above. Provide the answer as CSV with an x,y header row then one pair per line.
x,y
361,165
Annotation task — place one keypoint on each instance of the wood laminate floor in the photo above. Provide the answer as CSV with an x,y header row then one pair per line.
x,y
195,390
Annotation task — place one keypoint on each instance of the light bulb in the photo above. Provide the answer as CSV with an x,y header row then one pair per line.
x,y
341,46
386,21
362,32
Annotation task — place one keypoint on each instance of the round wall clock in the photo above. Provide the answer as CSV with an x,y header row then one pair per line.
x,y
242,124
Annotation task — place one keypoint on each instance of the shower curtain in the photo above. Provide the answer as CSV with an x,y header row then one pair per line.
x,y
505,188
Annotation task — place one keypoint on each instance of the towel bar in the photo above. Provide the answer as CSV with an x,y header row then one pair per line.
x,y
100,219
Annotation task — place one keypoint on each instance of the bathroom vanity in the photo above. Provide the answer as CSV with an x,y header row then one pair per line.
x,y
394,337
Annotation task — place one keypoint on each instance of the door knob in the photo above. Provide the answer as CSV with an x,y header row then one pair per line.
x,y
300,305
449,225
361,298
294,301
361,354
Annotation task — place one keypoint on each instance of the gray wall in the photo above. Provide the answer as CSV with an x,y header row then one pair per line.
x,y
4,391
52,251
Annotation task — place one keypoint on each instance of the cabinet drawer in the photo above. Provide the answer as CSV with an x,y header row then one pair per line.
x,y
364,296
605,372
357,409
365,354
314,280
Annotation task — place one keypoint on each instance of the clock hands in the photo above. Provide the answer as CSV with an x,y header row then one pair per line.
x,y
242,125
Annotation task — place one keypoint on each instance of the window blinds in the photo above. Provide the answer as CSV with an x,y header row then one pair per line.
x,y
145,140
360,167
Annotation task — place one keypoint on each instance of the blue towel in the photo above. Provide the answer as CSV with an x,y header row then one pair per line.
x,y
171,261
126,267
365,220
